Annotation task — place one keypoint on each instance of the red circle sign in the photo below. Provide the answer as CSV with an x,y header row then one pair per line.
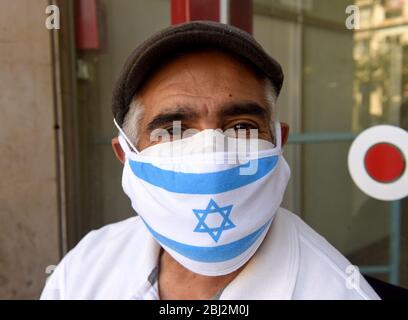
x,y
378,162
384,162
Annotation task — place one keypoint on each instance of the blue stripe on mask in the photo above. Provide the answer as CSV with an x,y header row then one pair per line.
x,y
201,183
209,254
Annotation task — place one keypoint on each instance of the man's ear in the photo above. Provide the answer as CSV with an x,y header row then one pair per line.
x,y
117,149
284,132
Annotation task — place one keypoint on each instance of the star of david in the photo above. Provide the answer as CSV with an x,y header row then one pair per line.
x,y
214,209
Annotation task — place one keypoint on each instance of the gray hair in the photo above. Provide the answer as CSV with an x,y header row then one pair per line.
x,y
132,120
136,111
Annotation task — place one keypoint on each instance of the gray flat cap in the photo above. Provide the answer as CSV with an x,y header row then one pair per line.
x,y
182,38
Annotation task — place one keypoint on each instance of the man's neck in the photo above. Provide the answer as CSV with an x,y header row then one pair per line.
x,y
178,283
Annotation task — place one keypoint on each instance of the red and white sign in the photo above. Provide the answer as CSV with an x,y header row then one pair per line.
x,y
377,162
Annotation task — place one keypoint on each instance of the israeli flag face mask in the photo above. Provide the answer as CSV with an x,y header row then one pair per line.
x,y
209,206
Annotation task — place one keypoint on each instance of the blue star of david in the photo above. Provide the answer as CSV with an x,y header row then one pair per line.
x,y
213,208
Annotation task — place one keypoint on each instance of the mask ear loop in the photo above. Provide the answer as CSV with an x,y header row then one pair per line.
x,y
122,136
278,135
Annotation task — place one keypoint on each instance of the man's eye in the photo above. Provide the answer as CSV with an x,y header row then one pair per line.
x,y
244,126
175,131
238,129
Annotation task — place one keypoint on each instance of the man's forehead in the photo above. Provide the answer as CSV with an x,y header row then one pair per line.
x,y
178,90
190,64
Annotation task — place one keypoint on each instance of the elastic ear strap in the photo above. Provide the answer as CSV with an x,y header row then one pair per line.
x,y
124,145
278,134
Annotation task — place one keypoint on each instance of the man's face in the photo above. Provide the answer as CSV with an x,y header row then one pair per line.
x,y
204,90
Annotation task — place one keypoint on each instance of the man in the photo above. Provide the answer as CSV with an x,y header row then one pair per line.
x,y
205,229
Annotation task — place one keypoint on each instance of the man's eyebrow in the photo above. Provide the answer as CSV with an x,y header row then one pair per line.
x,y
243,108
179,113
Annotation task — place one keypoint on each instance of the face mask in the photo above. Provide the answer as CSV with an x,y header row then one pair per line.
x,y
209,205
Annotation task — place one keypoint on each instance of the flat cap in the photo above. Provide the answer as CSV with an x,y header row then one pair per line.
x,y
185,37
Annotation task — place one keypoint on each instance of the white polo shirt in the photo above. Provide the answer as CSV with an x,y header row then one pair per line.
x,y
119,261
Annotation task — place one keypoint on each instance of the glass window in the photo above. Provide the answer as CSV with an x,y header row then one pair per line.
x,y
124,25
338,83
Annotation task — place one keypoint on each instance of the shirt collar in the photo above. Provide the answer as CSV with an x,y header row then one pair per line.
x,y
146,264
272,272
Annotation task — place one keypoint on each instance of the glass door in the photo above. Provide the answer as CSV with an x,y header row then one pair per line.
x,y
338,83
